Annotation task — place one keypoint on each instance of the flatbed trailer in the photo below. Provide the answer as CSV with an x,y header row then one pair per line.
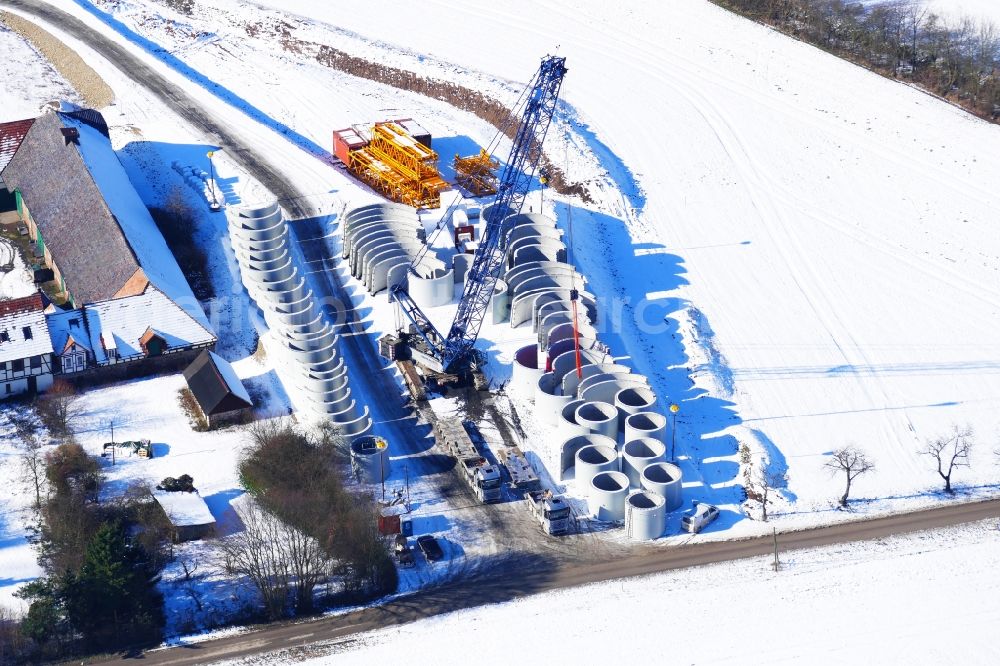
x,y
522,474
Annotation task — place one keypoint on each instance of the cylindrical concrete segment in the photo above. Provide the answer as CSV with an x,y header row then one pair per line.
x,y
608,491
633,400
549,400
525,373
566,423
638,454
646,424
599,418
645,515
569,448
592,460
664,478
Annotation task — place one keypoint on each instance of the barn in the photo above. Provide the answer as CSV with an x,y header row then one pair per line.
x,y
220,394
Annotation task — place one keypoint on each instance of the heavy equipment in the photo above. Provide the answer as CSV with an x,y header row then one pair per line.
x,y
454,353
553,513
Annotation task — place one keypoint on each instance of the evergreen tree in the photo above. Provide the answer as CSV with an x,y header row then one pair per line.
x,y
112,600
46,616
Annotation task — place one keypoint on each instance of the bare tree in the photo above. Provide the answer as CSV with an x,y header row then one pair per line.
x,y
59,408
279,560
189,584
853,462
950,451
760,482
33,466
26,427
763,484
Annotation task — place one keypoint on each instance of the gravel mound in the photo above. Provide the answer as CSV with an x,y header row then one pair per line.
x,y
95,92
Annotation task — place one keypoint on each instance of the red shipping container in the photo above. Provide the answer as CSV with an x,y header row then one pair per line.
x,y
346,140
388,525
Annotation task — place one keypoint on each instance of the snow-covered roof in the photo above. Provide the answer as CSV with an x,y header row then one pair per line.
x,y
65,326
184,509
229,376
23,330
121,322
97,228
156,259
11,135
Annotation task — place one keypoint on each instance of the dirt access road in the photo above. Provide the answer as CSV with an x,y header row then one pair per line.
x,y
535,574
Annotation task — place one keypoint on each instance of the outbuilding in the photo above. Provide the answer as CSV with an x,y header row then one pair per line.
x,y
217,390
188,514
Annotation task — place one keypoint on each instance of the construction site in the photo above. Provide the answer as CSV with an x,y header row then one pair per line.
x,y
493,259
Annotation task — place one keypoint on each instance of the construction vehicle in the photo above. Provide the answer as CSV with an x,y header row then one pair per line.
x,y
553,513
455,352
483,478
522,474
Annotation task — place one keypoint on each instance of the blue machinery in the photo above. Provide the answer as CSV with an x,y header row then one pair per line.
x,y
454,353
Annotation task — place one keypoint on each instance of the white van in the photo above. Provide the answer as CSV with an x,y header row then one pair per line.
x,y
702,515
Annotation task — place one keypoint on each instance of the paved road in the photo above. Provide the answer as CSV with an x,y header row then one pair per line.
x,y
536,573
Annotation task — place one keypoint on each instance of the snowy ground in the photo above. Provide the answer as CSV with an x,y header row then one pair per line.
x,y
925,598
819,239
814,231
35,83
982,10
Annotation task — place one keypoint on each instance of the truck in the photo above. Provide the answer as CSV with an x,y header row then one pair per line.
x,y
522,475
483,478
553,513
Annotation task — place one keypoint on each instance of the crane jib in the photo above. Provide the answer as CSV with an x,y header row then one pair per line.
x,y
481,280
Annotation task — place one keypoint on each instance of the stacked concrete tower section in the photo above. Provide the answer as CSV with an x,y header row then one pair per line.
x,y
383,241
610,422
275,281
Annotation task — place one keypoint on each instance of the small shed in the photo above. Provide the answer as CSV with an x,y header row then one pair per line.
x,y
188,514
220,394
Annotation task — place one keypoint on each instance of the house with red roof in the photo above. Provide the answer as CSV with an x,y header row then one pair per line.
x,y
122,306
25,346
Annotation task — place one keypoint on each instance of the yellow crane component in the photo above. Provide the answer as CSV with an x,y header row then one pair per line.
x,y
477,173
400,167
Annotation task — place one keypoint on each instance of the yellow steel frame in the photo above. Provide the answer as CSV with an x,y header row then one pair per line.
x,y
401,168
382,177
477,173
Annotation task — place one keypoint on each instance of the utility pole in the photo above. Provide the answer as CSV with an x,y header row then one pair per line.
x,y
775,564
211,180
674,408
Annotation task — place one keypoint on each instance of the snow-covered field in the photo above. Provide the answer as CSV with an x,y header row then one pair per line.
x,y
833,229
982,10
819,240
925,598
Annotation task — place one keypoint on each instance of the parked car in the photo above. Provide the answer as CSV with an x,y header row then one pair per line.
x,y
404,554
430,547
702,515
